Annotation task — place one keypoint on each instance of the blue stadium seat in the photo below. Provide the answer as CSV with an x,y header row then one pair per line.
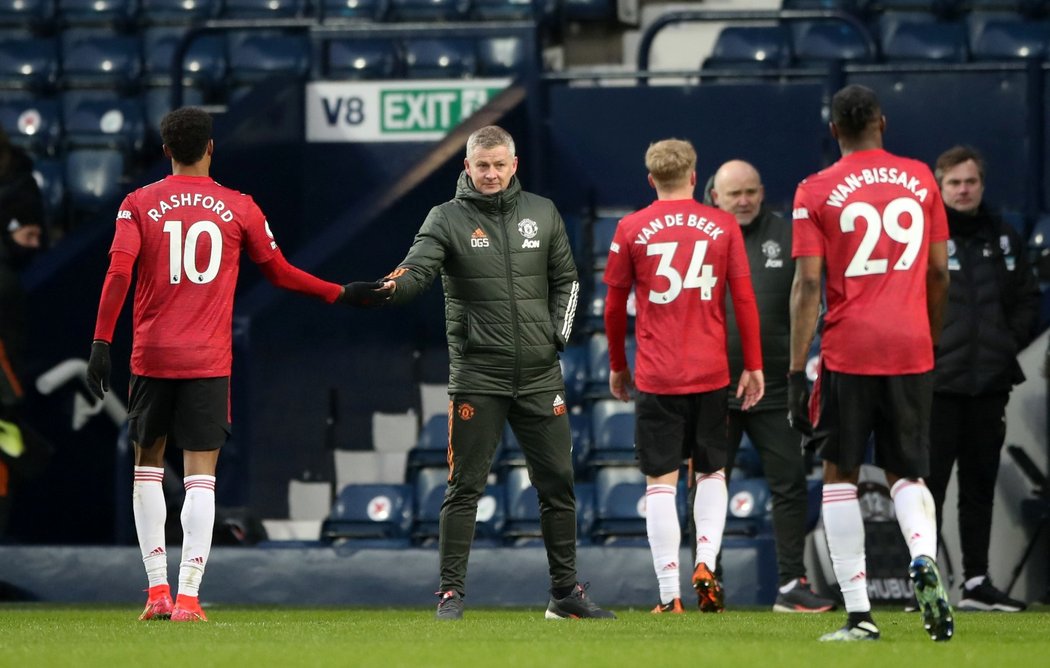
x,y
262,9
597,11
523,506
352,58
258,55
580,428
364,10
585,511
598,364
818,43
908,41
204,66
574,370
491,516
602,230
944,9
370,511
748,511
177,12
94,180
451,58
619,498
157,100
36,16
33,123
103,120
431,450
751,48
429,492
100,59
429,10
119,14
505,10
49,176
1001,40
501,56
612,432
29,63
855,7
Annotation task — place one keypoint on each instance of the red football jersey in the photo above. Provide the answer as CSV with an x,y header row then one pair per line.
x,y
187,233
872,216
678,255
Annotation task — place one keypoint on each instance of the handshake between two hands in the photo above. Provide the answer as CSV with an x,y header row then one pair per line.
x,y
367,294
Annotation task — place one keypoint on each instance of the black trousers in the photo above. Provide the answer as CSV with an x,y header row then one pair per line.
x,y
780,449
970,431
543,431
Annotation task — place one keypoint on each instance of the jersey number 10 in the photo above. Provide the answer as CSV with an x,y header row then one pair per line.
x,y
180,260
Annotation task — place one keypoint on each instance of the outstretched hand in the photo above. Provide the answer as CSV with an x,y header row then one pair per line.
x,y
752,388
367,294
98,369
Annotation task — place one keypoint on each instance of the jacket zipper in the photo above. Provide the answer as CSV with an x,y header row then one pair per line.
x,y
510,296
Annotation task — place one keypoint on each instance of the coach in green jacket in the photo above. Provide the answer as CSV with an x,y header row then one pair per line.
x,y
511,292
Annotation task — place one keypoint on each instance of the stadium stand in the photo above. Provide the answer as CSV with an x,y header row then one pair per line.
x,y
36,16
263,9
352,58
357,10
374,511
29,63
93,178
48,173
751,47
903,41
117,14
100,119
748,512
1006,40
818,43
95,58
33,123
429,10
501,56
177,12
448,58
619,498
431,450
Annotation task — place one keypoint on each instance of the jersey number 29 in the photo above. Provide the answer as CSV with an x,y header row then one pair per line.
x,y
862,263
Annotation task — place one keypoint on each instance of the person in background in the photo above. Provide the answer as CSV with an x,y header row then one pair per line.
x,y
993,305
737,188
681,257
511,293
185,233
21,238
871,229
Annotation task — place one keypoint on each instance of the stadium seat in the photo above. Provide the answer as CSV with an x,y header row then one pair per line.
x,y
942,9
365,10
602,230
849,6
33,123
429,491
261,9
157,101
353,58
501,56
619,498
29,63
598,364
429,10
1001,40
94,180
177,12
48,173
748,511
36,16
748,463
118,14
260,54
611,424
750,48
818,43
491,516
523,506
451,58
504,10
573,362
103,120
909,41
431,450
584,511
204,66
596,11
580,428
370,511
100,59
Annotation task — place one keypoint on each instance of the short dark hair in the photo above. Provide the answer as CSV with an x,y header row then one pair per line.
x,y
853,109
957,155
186,131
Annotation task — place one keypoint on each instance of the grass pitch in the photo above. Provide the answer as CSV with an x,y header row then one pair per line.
x,y
33,635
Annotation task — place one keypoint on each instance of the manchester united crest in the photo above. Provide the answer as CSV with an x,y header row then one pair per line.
x,y
465,411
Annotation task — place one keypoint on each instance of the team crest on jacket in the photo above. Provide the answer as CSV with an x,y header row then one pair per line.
x,y
465,411
528,228
771,249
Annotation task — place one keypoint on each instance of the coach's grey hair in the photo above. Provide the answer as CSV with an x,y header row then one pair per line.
x,y
489,137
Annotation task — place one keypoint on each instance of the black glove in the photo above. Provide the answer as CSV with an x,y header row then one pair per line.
x,y
365,294
98,369
798,402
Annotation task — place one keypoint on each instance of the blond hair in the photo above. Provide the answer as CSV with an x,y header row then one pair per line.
x,y
670,162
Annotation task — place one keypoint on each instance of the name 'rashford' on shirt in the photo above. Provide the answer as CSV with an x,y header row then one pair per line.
x,y
200,200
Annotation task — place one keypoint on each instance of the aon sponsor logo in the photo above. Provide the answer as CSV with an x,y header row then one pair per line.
x,y
530,243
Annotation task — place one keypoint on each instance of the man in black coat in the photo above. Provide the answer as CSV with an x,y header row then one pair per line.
x,y
993,304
